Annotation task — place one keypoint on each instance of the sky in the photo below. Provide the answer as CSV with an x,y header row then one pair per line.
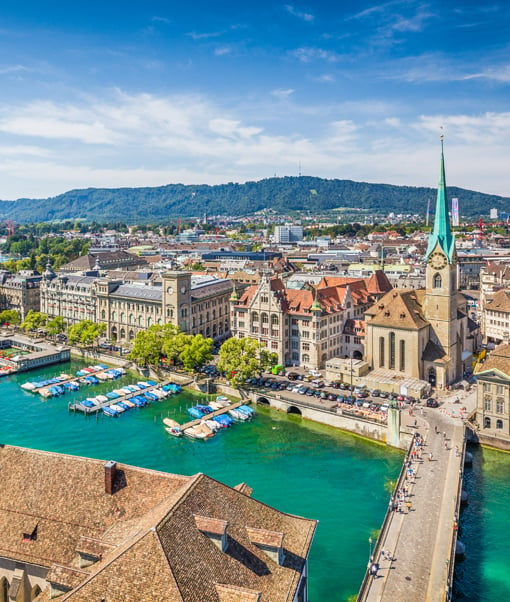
x,y
114,94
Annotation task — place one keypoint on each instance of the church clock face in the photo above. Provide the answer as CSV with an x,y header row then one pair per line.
x,y
437,261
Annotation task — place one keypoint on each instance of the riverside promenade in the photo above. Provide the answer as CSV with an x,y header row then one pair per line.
x,y
419,542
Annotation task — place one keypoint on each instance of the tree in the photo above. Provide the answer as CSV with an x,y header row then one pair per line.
x,y
85,332
56,326
174,343
196,353
268,359
239,359
9,316
34,320
147,347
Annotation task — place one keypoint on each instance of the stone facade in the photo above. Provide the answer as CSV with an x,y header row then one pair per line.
x,y
493,395
20,292
308,325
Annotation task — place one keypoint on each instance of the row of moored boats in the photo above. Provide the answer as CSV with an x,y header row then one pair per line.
x,y
58,385
209,425
121,403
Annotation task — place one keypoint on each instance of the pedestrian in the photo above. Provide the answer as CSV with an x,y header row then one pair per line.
x,y
409,505
444,434
435,428
446,444
457,453
430,457
415,422
383,554
374,569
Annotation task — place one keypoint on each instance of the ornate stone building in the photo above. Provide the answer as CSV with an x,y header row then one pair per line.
x,y
426,333
20,291
308,325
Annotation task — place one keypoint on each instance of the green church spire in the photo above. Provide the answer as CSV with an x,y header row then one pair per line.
x,y
442,232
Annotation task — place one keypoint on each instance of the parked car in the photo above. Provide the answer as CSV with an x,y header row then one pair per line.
x,y
290,387
323,395
310,392
340,398
432,403
292,376
384,407
375,393
332,397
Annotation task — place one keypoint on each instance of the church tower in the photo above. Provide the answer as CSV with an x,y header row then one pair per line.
x,y
441,302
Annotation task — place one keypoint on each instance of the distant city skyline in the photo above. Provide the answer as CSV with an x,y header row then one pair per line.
x,y
145,94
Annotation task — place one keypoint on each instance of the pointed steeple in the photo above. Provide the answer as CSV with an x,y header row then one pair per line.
x,y
442,232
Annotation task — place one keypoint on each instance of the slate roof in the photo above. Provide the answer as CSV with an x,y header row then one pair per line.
x,y
132,291
146,532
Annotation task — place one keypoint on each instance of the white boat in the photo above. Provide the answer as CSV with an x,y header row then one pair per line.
x,y
102,376
193,433
45,392
102,398
170,423
238,415
28,386
215,405
213,425
173,430
129,403
223,401
117,408
120,392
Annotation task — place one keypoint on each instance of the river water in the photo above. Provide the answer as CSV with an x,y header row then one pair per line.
x,y
293,464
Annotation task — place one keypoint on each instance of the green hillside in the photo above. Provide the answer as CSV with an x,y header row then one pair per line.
x,y
138,205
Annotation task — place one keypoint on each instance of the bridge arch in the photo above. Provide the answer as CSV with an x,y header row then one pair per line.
x,y
263,401
294,410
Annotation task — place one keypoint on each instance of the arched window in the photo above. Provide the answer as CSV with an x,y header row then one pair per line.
x,y
486,423
208,332
114,315
122,316
131,319
122,334
437,282
140,320
103,314
131,335
306,358
499,424
264,318
149,321
4,590
392,351
402,355
274,320
381,352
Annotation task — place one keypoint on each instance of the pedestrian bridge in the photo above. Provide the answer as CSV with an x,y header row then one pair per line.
x,y
414,556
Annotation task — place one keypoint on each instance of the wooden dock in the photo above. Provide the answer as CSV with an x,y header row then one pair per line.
x,y
69,380
78,407
219,412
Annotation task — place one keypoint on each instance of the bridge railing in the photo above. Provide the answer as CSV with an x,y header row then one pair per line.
x,y
367,579
455,530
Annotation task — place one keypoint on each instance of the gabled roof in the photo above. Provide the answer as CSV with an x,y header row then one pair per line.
x,y
500,302
400,308
146,535
499,359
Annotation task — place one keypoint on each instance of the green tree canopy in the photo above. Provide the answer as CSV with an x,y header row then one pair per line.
x,y
240,359
10,316
85,332
34,320
196,353
56,325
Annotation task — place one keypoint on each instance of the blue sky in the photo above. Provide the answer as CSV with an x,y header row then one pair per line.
x,y
143,94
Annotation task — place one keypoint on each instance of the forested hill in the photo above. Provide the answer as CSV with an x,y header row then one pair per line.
x,y
138,205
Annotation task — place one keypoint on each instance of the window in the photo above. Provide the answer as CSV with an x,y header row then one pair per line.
x,y
254,317
381,352
274,344
436,281
306,346
264,318
347,339
402,355
274,320
486,423
294,333
487,404
499,424
295,345
486,387
499,389
392,351
295,356
500,406
306,357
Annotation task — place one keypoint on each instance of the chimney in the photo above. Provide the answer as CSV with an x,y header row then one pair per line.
x,y
110,468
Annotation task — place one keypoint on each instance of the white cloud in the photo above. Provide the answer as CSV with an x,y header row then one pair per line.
x,y
282,94
223,50
308,54
161,20
147,140
299,14
13,69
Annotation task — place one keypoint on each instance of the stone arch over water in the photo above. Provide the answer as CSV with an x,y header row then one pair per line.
x,y
293,410
263,401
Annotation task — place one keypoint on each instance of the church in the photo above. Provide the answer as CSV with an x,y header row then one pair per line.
x,y
425,333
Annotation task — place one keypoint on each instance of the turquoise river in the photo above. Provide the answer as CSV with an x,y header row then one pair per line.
x,y
293,464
